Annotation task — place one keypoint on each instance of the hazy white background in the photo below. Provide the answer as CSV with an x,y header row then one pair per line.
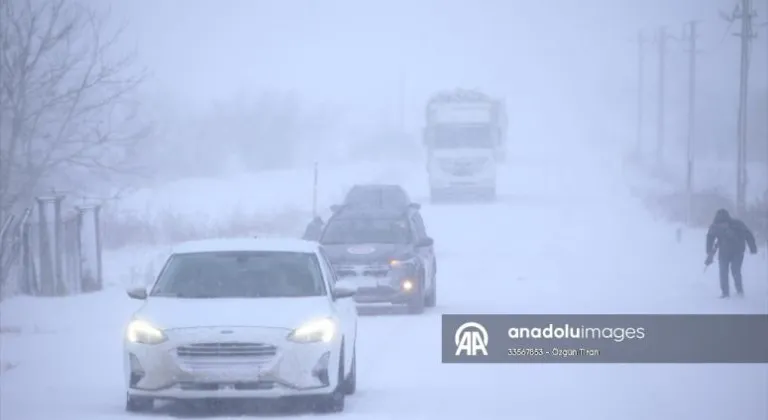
x,y
357,67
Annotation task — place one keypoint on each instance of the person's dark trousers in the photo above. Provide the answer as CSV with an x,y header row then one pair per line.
x,y
733,264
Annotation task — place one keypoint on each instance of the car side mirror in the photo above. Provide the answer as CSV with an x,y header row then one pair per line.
x,y
138,293
344,289
426,242
416,206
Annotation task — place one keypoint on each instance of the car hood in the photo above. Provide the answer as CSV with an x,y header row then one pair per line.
x,y
172,313
365,253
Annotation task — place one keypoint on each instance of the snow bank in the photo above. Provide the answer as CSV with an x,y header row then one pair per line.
x,y
53,315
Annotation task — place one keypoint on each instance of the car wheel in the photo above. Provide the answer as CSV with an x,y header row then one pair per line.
x,y
334,402
416,305
138,404
350,383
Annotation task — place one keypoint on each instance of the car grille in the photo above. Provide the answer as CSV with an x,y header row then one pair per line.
x,y
210,357
363,273
463,167
226,350
237,386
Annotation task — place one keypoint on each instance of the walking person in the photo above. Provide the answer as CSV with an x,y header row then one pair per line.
x,y
729,238
314,229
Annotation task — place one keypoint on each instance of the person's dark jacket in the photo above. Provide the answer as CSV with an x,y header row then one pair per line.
x,y
731,234
314,229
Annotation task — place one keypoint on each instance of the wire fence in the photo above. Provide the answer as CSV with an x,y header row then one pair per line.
x,y
46,251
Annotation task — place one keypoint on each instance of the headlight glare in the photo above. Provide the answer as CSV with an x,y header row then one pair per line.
x,y
143,332
402,262
319,330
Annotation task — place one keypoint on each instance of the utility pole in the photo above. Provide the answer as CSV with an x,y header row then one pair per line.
x,y
314,190
765,38
401,104
641,41
661,42
691,35
746,14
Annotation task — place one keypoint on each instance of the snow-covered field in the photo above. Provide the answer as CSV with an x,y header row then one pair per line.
x,y
710,175
565,237
722,176
216,202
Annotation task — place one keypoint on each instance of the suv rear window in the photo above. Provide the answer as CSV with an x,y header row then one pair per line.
x,y
366,231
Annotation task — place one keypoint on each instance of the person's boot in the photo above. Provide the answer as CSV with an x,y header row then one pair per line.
x,y
724,296
739,287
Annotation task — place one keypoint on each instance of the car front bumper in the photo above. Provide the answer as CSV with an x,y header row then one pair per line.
x,y
249,363
376,284
462,184
484,178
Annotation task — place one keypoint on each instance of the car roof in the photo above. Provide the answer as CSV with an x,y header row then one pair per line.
x,y
378,187
371,212
389,191
247,244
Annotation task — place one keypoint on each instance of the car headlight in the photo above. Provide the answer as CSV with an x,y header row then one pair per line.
x,y
143,332
319,330
402,262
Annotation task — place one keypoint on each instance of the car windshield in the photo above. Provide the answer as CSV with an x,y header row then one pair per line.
x,y
366,231
463,137
241,275
376,196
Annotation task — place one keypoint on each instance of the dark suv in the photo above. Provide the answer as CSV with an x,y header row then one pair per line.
x,y
378,195
385,253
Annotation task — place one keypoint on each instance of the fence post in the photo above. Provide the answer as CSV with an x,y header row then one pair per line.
x,y
62,288
4,249
90,251
314,191
73,251
47,281
97,232
28,284
82,267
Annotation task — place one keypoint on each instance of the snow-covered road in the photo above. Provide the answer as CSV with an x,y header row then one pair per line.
x,y
563,238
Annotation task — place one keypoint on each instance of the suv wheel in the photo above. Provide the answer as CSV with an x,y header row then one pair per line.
x,y
416,305
432,295
138,404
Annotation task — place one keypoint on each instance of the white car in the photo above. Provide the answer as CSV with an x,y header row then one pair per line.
x,y
243,318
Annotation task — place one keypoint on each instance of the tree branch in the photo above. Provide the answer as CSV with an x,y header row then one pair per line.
x,y
67,104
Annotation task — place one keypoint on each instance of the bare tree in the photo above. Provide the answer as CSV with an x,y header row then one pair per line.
x,y
67,111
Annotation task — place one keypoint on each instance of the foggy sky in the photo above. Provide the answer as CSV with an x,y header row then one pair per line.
x,y
360,53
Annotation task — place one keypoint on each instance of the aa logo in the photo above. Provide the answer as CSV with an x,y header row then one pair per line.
x,y
470,339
